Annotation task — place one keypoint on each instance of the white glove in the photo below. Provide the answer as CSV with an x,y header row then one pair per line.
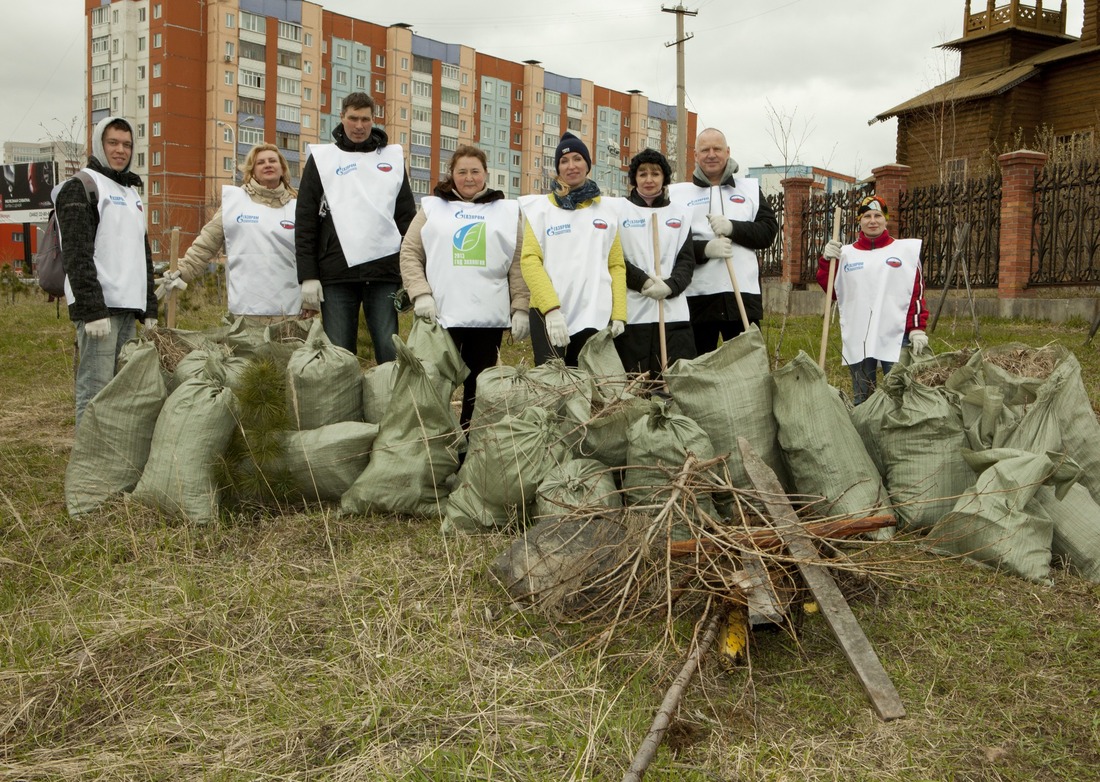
x,y
918,342
655,288
720,224
424,307
721,247
312,296
831,251
617,327
556,329
150,324
521,325
170,281
98,329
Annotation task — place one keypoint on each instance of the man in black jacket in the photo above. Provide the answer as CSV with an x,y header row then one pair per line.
x,y
731,220
105,253
354,205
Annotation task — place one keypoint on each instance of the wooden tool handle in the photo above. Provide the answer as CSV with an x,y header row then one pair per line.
x,y
829,292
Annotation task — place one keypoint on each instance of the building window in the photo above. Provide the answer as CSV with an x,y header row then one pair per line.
x,y
422,114
141,71
422,89
420,161
141,130
100,101
519,94
289,86
250,50
448,119
362,56
227,164
404,88
379,61
228,106
379,85
154,245
422,64
229,78
288,59
156,158
307,121
141,43
307,94
156,40
341,51
101,44
250,106
99,15
251,136
156,128
141,101
230,22
141,160
155,217
156,100
404,113
156,10
252,22
420,186
251,79
361,82
421,139
341,78
156,70
404,63
307,66
290,31
288,113
308,40
379,111
114,105
449,71
99,73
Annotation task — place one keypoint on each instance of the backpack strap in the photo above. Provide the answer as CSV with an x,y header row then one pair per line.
x,y
90,187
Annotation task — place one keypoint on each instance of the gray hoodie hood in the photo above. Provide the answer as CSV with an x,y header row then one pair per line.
x,y
98,152
732,168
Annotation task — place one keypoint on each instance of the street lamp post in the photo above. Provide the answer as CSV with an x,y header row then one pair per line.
x,y
235,131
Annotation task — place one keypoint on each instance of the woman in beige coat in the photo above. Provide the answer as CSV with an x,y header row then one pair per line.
x,y
255,227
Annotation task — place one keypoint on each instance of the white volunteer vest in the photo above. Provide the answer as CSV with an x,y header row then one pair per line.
x,y
739,202
636,237
261,274
468,250
575,245
119,253
361,191
873,291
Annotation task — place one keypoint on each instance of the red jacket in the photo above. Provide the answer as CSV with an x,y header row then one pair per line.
x,y
918,310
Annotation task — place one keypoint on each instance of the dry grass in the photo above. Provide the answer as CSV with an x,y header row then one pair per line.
x,y
307,646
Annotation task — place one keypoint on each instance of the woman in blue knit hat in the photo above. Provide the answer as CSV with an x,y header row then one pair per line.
x,y
572,260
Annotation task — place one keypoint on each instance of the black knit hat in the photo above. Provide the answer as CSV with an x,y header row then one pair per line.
x,y
570,143
648,155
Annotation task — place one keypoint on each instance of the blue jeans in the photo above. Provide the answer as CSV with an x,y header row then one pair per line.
x,y
97,358
340,315
864,378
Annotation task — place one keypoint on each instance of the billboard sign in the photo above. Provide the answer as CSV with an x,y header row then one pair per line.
x,y
25,192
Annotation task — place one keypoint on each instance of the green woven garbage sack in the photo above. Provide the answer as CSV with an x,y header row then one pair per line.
x,y
823,451
992,522
658,445
192,432
600,360
992,400
728,392
576,485
322,383
467,513
1076,520
172,346
213,363
920,442
603,434
325,462
415,451
432,345
378,390
509,459
867,419
245,335
113,439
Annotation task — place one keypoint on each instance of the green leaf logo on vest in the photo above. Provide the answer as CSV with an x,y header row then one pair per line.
x,y
469,245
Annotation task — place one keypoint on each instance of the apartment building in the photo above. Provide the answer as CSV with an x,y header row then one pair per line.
x,y
205,80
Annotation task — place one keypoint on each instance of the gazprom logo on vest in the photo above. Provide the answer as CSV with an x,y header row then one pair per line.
x,y
737,198
639,222
701,200
893,262
248,218
674,222
469,243
287,224
854,266
600,224
384,167
346,169
557,230
118,200
460,215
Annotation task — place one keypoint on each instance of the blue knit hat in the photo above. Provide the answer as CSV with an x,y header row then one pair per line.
x,y
570,143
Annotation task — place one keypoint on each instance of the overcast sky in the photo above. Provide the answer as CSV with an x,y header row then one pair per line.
x,y
827,66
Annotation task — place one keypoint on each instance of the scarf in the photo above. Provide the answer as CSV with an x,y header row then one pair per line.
x,y
586,192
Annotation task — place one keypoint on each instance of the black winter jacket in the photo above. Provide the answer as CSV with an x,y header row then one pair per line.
x,y
317,247
682,269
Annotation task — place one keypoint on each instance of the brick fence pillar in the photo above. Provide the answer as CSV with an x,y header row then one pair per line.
x,y
890,182
1018,172
796,192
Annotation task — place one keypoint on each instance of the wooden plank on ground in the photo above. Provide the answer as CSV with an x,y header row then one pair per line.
x,y
760,597
857,648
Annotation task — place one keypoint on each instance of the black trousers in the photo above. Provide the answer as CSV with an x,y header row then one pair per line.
x,y
479,348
